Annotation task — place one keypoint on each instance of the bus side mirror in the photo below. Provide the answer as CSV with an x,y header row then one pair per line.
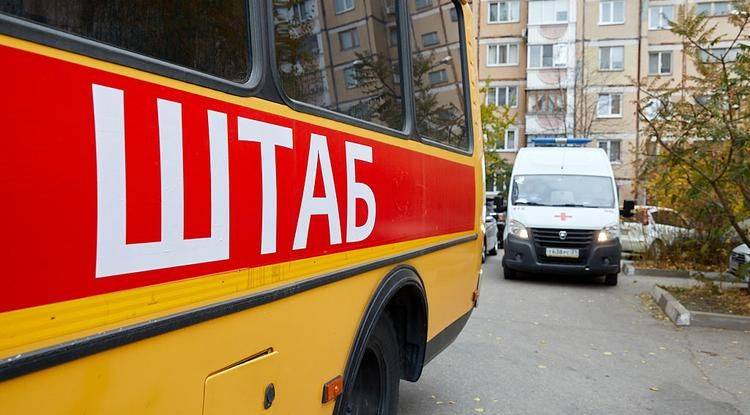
x,y
628,209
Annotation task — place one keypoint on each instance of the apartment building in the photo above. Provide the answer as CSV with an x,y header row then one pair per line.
x,y
570,70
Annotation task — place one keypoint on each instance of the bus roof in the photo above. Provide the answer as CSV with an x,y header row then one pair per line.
x,y
562,160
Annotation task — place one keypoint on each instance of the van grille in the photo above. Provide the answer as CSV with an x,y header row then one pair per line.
x,y
738,258
574,238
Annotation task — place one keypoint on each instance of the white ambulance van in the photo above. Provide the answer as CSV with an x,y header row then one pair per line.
x,y
563,214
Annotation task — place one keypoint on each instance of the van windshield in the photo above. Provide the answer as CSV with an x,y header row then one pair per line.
x,y
563,191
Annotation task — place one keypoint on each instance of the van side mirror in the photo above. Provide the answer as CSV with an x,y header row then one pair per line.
x,y
628,209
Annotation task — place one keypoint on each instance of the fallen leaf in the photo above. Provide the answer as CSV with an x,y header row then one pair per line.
x,y
477,399
439,402
479,409
541,366
607,353
654,388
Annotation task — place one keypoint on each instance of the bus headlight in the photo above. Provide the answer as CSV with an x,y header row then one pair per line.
x,y
517,229
609,233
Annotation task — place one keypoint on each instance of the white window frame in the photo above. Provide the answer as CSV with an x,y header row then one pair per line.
x,y
505,148
512,58
611,16
442,81
712,8
346,7
559,54
506,91
607,147
436,37
553,4
663,23
660,62
350,73
610,49
610,96
514,11
354,33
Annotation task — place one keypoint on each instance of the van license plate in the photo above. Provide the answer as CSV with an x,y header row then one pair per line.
x,y
562,253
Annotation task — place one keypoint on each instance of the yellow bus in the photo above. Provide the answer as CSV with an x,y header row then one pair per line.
x,y
233,206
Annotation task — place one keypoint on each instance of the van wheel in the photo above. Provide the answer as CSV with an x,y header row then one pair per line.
x,y
375,389
610,279
509,274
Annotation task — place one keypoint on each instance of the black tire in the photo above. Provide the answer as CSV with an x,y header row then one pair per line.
x,y
610,279
509,274
375,388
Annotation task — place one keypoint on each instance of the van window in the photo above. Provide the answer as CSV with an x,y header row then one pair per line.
x,y
205,35
438,75
346,63
563,191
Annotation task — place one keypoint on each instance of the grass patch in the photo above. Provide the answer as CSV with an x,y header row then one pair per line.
x,y
709,297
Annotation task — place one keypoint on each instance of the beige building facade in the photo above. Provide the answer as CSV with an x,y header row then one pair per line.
x,y
570,70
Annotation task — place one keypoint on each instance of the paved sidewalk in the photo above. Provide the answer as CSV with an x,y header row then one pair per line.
x,y
575,346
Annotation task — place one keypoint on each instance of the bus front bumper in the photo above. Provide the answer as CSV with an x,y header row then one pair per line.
x,y
601,259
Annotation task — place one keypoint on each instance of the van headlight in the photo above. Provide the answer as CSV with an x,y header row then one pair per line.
x,y
517,229
609,233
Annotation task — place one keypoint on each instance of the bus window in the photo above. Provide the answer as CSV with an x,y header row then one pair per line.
x,y
345,59
438,74
208,36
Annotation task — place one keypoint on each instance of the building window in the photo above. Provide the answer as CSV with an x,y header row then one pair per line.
x,y
438,77
393,36
717,8
548,56
454,15
344,5
548,11
421,4
502,96
612,12
504,11
612,148
609,105
546,102
659,63
510,140
611,58
659,17
351,78
502,54
349,39
429,39
301,11
717,54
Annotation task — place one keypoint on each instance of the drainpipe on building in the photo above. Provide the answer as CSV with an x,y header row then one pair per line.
x,y
637,178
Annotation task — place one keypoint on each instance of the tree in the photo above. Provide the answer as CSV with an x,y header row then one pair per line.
x,y
699,128
495,121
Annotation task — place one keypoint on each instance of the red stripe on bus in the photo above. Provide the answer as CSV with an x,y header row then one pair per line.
x,y
48,184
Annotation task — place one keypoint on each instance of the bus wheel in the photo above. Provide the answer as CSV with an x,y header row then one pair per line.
x,y
375,389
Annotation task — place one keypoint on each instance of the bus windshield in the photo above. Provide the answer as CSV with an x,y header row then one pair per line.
x,y
563,191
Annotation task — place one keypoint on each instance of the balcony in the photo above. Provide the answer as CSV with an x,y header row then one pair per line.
x,y
549,123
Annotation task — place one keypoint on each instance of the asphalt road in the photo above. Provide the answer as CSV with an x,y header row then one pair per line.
x,y
574,346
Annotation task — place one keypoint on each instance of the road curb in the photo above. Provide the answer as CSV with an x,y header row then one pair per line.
x,y
681,316
676,312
